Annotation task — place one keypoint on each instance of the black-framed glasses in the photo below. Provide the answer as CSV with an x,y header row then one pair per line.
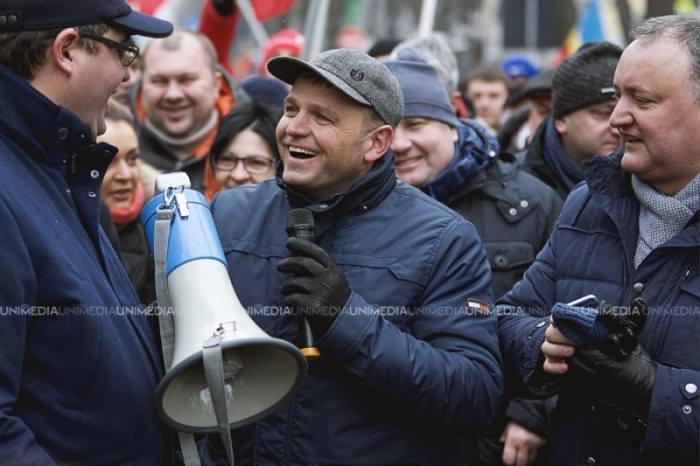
x,y
127,52
255,165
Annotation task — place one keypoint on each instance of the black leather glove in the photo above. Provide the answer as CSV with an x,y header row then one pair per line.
x,y
224,7
317,287
625,383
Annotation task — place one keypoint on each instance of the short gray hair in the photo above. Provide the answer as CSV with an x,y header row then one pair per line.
x,y
683,29
174,43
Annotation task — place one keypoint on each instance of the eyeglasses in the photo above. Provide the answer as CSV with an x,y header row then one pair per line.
x,y
127,52
254,165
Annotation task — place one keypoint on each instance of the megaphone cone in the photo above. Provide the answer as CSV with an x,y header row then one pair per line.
x,y
260,372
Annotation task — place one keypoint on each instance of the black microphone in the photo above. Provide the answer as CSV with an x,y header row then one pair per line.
x,y
300,224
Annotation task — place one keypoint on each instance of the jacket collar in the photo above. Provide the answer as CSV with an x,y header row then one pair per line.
x,y
364,195
494,182
611,187
474,152
534,161
567,172
39,123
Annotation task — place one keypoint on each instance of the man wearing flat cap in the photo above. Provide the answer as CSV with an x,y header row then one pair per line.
x,y
394,286
78,369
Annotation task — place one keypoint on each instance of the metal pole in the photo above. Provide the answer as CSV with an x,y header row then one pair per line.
x,y
531,23
427,18
311,12
255,26
319,30
492,33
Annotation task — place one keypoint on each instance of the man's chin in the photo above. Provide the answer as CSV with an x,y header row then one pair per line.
x,y
414,179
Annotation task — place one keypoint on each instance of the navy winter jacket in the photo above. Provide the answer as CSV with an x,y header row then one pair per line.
x,y
77,370
512,211
591,251
405,369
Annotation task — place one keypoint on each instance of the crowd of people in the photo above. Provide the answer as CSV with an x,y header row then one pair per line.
x,y
505,269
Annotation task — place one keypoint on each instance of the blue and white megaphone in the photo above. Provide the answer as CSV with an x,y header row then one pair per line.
x,y
260,372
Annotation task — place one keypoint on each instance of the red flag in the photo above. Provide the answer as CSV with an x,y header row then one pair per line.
x,y
266,9
145,6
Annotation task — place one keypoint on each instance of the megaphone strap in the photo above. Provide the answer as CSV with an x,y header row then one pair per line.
x,y
190,455
161,234
214,372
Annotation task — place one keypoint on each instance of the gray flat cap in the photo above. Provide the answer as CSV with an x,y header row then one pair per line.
x,y
357,75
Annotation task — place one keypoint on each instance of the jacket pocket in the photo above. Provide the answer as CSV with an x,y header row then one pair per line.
x,y
680,344
509,261
385,283
508,255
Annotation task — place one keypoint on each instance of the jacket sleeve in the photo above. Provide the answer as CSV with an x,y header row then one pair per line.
x,y
523,313
672,425
531,413
17,287
447,370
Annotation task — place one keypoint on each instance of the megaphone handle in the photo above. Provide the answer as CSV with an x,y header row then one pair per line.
x,y
309,351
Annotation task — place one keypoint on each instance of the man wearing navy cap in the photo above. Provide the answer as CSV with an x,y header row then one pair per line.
x,y
395,286
79,367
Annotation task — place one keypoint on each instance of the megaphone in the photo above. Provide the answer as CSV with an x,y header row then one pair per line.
x,y
260,372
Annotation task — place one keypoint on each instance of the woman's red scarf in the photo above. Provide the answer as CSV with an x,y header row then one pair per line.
x,y
123,217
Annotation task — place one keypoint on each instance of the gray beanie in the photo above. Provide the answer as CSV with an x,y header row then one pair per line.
x,y
423,92
354,73
581,79
437,53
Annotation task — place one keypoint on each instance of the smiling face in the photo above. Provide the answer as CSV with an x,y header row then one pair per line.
x,y
258,156
179,87
123,174
657,114
325,139
422,149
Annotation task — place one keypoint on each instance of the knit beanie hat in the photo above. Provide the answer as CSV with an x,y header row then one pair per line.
x,y
287,40
424,94
580,79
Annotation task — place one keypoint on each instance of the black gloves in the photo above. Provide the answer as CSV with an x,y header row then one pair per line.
x,y
626,383
224,7
316,287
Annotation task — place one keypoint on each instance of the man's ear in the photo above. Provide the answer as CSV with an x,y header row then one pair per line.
x,y
560,125
379,142
62,50
218,82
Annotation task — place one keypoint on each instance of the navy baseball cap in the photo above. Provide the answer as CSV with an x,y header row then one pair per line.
x,y
37,15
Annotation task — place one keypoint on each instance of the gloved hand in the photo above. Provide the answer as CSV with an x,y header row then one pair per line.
x,y
224,7
625,383
317,287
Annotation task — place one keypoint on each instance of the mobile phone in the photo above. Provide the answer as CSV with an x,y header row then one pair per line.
x,y
589,300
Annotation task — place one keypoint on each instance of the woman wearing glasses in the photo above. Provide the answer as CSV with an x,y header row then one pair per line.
x,y
244,149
